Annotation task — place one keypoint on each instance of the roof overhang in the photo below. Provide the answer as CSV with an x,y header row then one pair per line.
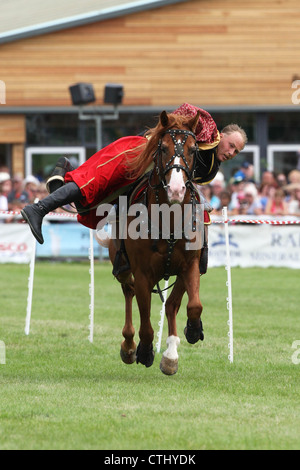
x,y
103,14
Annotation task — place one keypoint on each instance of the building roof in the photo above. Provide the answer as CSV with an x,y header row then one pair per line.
x,y
25,18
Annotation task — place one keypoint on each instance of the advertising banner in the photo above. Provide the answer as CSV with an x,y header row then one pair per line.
x,y
16,243
250,245
255,245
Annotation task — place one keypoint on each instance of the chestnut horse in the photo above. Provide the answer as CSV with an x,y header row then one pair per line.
x,y
143,262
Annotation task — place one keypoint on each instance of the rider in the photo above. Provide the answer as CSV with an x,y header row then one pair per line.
x,y
104,176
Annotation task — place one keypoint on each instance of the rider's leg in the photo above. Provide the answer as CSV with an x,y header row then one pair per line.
x,y
204,253
34,213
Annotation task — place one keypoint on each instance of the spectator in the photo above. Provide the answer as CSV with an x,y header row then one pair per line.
x,y
294,177
31,187
277,205
269,178
249,201
206,190
225,201
217,185
18,193
281,180
41,191
236,187
266,191
294,203
5,188
246,172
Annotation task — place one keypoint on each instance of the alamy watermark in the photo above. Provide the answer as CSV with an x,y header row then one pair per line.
x,y
167,221
2,92
296,94
296,354
2,352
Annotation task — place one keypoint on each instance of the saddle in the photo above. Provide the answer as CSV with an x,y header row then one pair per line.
x,y
133,196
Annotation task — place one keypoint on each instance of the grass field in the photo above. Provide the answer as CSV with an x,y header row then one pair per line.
x,y
58,391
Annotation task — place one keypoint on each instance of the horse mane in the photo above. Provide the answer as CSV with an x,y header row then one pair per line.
x,y
137,166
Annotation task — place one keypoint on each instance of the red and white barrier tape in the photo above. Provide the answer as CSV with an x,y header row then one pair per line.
x,y
66,215
255,221
50,216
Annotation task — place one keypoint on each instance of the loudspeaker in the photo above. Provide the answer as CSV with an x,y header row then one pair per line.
x,y
113,93
82,93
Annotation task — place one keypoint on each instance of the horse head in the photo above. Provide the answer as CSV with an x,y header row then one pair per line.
x,y
175,156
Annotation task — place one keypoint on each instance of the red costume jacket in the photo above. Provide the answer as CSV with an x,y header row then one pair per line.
x,y
103,177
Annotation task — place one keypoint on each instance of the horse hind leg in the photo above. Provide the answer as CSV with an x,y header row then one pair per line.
x,y
128,346
128,350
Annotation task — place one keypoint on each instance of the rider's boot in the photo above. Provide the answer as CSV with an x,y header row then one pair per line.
x,y
204,253
203,259
34,213
57,177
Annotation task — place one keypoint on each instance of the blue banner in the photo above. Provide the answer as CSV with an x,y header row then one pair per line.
x,y
68,239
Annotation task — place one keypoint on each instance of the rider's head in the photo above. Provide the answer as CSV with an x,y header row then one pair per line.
x,y
232,141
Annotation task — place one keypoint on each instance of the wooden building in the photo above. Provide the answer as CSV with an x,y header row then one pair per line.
x,y
239,60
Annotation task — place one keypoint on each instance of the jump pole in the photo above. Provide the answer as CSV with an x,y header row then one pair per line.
x,y
30,288
91,287
162,317
228,284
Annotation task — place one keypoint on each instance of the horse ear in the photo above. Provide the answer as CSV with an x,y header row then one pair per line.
x,y
194,122
164,120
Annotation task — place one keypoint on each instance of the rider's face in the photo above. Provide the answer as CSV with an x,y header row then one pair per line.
x,y
230,145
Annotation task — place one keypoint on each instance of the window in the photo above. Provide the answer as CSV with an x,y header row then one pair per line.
x,y
283,158
40,161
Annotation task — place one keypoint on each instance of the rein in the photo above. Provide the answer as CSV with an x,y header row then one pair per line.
x,y
161,172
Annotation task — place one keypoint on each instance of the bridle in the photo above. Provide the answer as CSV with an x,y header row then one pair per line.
x,y
161,172
178,152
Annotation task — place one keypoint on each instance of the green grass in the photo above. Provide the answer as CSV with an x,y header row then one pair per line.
x,y
58,391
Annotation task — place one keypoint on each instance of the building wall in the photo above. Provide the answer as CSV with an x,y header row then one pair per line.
x,y
13,132
208,52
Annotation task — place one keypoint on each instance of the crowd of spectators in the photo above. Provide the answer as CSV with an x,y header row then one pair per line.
x,y
16,192
276,194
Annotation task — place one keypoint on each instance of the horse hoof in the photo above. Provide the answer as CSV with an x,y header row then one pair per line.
x,y
128,357
168,366
145,355
192,333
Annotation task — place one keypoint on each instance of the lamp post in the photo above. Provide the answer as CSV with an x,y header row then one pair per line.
x,y
83,93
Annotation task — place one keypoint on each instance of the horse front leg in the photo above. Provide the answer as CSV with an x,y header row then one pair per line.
x,y
145,353
128,347
169,361
194,328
